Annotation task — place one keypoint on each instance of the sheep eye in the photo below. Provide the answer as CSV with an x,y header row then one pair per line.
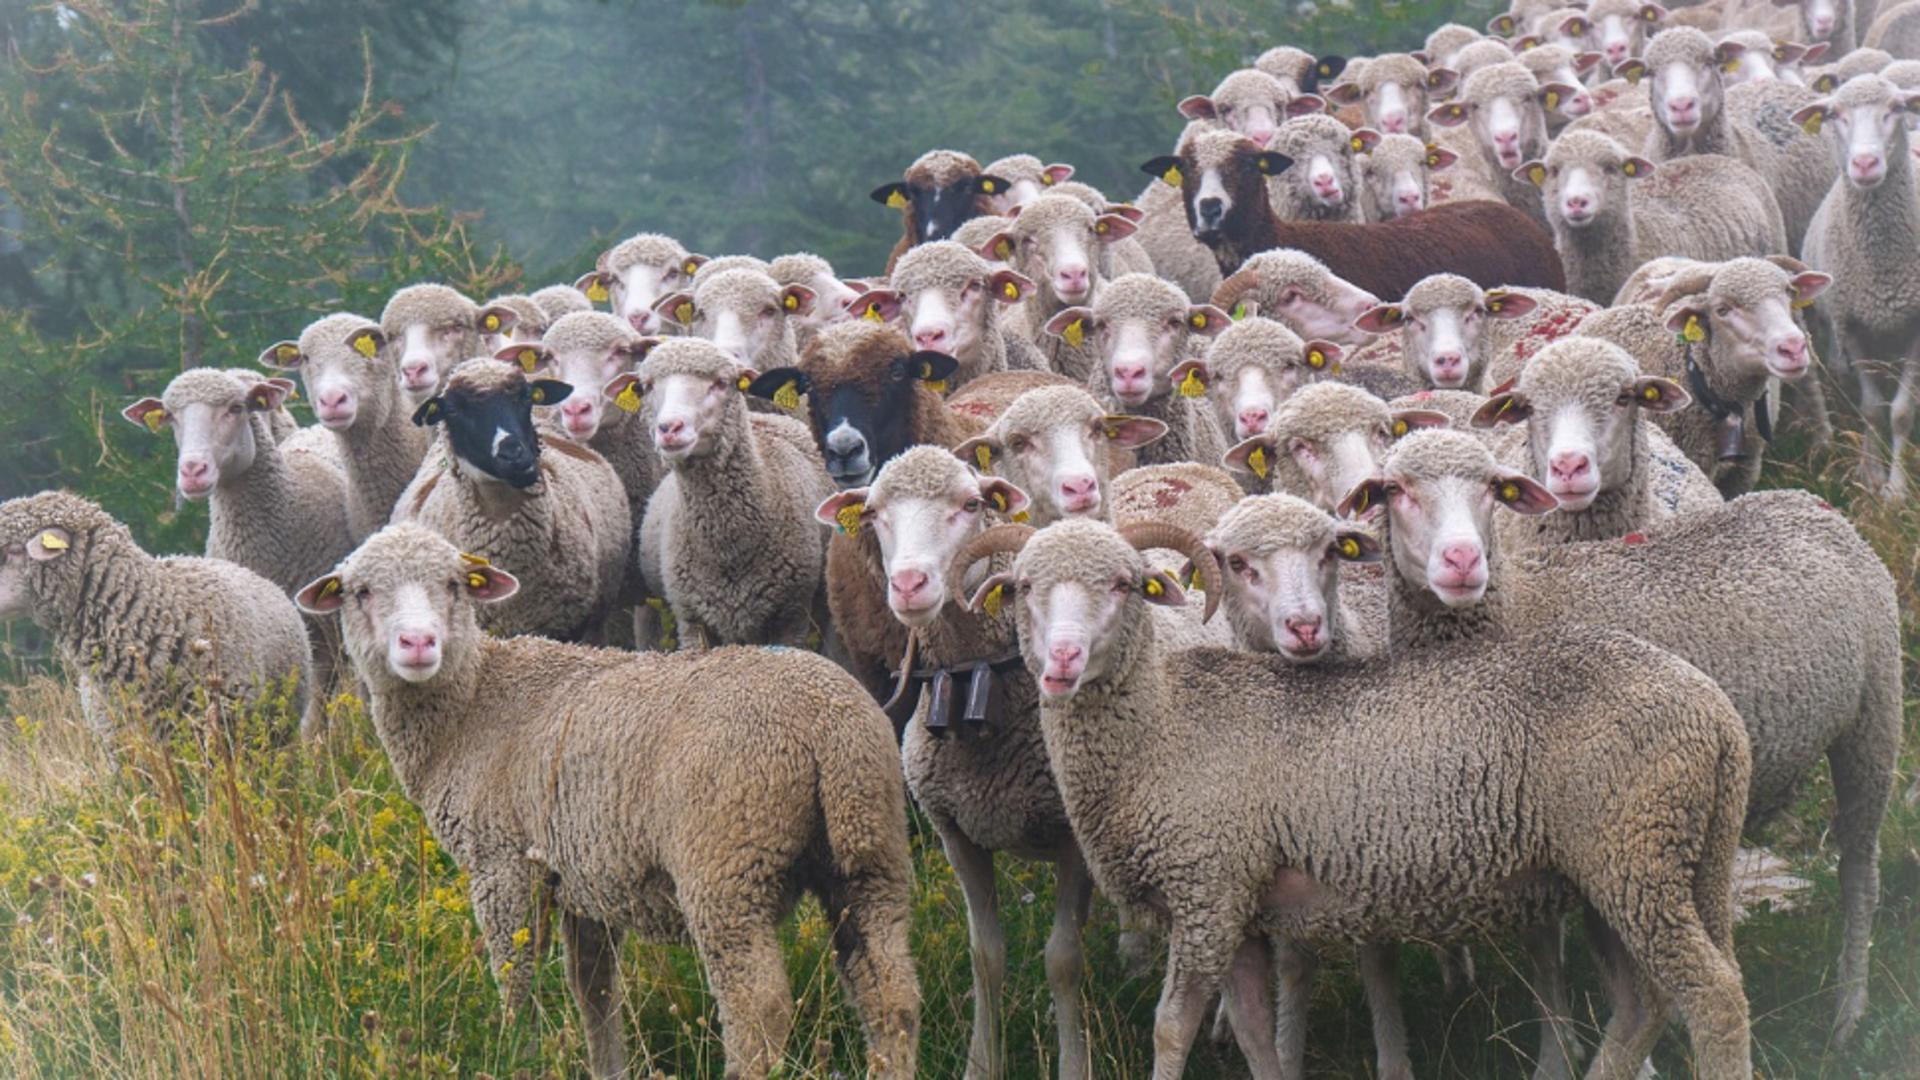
x,y
235,408
1236,564
1019,444
971,506
1723,311
362,594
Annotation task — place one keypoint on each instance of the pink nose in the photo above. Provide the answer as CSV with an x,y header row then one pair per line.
x,y
575,409
1461,558
418,645
641,320
1865,164
908,583
671,430
1394,123
1577,204
1793,351
1681,108
1251,420
1305,630
1326,184
333,400
193,470
1079,491
1130,376
415,372
934,337
1822,25
1448,364
1408,200
1616,52
1506,139
1570,465
1261,138
1063,654
1074,278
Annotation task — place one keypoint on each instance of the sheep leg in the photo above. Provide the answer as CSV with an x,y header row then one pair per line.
x,y
973,866
1294,967
1679,952
593,974
1194,964
1559,1045
1810,404
1862,781
1900,425
1066,961
502,896
1633,1028
1135,947
870,918
1456,969
1380,978
741,952
1249,1002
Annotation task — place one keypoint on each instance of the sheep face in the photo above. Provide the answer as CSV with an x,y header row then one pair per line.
x,y
1054,241
1584,180
345,366
1440,489
1509,126
487,411
1869,118
934,211
742,311
947,297
1560,72
1298,291
501,325
1394,91
633,292
1687,89
1280,557
28,548
429,329
406,602
1140,328
1818,18
1251,368
922,507
43,537
861,385
588,351
1440,323
1393,175
1323,149
1222,180
1027,180
1252,103
1748,316
1621,34
1325,440
210,413
1052,443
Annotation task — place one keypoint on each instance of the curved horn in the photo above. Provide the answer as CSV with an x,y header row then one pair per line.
x,y
1155,534
1685,283
991,542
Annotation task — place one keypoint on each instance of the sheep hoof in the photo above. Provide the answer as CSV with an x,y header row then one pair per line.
x,y
1853,1006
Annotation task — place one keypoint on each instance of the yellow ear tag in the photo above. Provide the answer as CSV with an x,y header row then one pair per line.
x,y
1825,85
155,419
596,290
628,398
1578,28
683,314
364,345
938,386
1651,393
1257,461
986,186
1316,359
1075,333
1002,250
329,587
1633,76
493,323
1553,99
1361,498
849,518
984,455
1199,320
1399,428
1046,179
1538,174
896,201
990,603
1509,492
1349,547
1239,310
1433,161
1800,305
539,396
1100,227
476,581
50,541
1631,168
1648,14
872,314
788,396
999,501
286,354
1152,587
529,359
474,560
691,268
1502,410
1191,386
1693,331
1195,582
1812,124
1359,144
1730,67
1021,517
790,302
1171,176
743,383
1010,291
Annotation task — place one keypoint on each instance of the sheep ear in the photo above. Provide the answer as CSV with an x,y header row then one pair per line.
x,y
1108,228
852,503
1357,546
796,299
880,305
1574,26
1633,71
1411,420
1323,357
1507,407
1809,284
1439,157
1270,163
634,351
1343,94
487,583
596,285
1652,13
1690,323
1502,304
676,306
1253,456
1190,378
1126,210
1365,495
894,196
529,358
979,451
1009,286
367,342
1452,114
496,319
281,356
1158,587
990,185
1637,168
1070,325
1727,55
430,413
148,413
1363,140
1004,497
932,368
1133,432
1523,494
624,391
1815,52
321,596
549,391
999,248
1501,26
782,386
266,395
1196,107
1533,172
1306,105
1811,117
1207,320
1058,173
1587,61
1655,394
991,595
1442,80
693,264
1327,67
1165,168
1381,319
1529,42
1552,94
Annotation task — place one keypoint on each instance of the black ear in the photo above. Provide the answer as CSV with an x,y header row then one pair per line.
x,y
1270,163
931,366
1325,69
892,195
990,185
772,382
430,412
549,391
1159,167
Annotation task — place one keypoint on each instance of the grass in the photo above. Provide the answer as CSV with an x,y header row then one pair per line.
x,y
195,909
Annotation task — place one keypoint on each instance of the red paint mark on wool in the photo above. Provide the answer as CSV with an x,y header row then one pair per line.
x,y
1634,538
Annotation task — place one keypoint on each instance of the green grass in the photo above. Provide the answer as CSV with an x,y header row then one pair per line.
x,y
193,911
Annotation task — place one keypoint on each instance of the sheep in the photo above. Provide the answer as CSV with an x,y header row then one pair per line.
x,y
1763,59
1052,243
1710,587
1481,54
344,363
1282,552
1056,444
1141,327
1753,123
509,320
1444,43
1611,210
1394,89
1222,178
589,350
833,299
1323,185
1862,237
1829,78
743,311
1294,288
1173,787
428,329
729,537
1897,31
1590,442
1251,102
633,276
949,299
1247,370
158,630
1300,71
1521,17
984,784
1123,256
1027,177
1177,254
1505,107
1724,331
1325,439
940,191
1445,324
1807,21
494,487
1621,27
1394,175
642,813
558,300
1564,69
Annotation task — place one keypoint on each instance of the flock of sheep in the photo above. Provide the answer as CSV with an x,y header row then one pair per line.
x,y
1446,374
